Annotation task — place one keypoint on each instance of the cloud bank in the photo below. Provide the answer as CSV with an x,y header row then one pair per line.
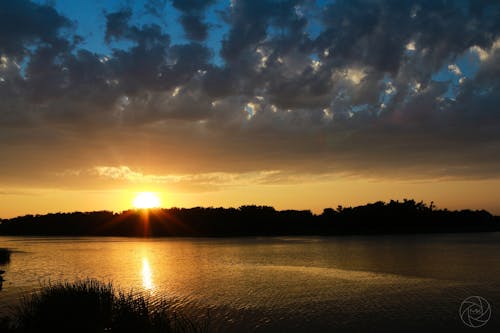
x,y
372,88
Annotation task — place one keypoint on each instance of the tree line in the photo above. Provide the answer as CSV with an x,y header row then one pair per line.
x,y
407,216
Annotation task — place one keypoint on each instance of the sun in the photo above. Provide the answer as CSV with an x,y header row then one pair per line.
x,y
146,200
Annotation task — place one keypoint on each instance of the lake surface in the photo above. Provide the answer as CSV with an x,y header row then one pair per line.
x,y
390,283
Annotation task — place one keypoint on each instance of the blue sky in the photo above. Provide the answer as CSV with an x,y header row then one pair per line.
x,y
89,20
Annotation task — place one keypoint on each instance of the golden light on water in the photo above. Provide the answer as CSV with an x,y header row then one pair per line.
x,y
146,200
147,276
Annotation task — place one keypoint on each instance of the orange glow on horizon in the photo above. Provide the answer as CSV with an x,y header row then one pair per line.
x,y
451,194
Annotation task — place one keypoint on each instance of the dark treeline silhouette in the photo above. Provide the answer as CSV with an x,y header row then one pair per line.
x,y
406,216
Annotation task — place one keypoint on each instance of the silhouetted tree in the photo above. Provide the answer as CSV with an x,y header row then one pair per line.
x,y
407,216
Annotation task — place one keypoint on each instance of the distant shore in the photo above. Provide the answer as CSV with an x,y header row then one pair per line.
x,y
394,217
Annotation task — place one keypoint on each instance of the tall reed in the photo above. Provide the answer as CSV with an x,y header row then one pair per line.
x,y
93,306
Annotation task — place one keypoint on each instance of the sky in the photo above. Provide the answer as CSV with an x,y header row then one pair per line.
x,y
298,104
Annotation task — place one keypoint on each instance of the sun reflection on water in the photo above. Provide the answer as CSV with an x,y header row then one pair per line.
x,y
147,276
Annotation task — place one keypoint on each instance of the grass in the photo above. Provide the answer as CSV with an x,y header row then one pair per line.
x,y
93,306
4,256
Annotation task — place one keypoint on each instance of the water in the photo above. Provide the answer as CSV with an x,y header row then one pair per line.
x,y
391,283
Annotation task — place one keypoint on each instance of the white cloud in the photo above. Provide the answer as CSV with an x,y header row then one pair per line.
x,y
176,91
327,114
263,58
455,69
250,110
355,75
485,54
315,64
411,46
125,173
390,89
4,62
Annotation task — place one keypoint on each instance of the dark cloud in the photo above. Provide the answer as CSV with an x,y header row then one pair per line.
x,y
192,17
117,25
155,7
361,95
194,27
23,23
251,20
375,33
